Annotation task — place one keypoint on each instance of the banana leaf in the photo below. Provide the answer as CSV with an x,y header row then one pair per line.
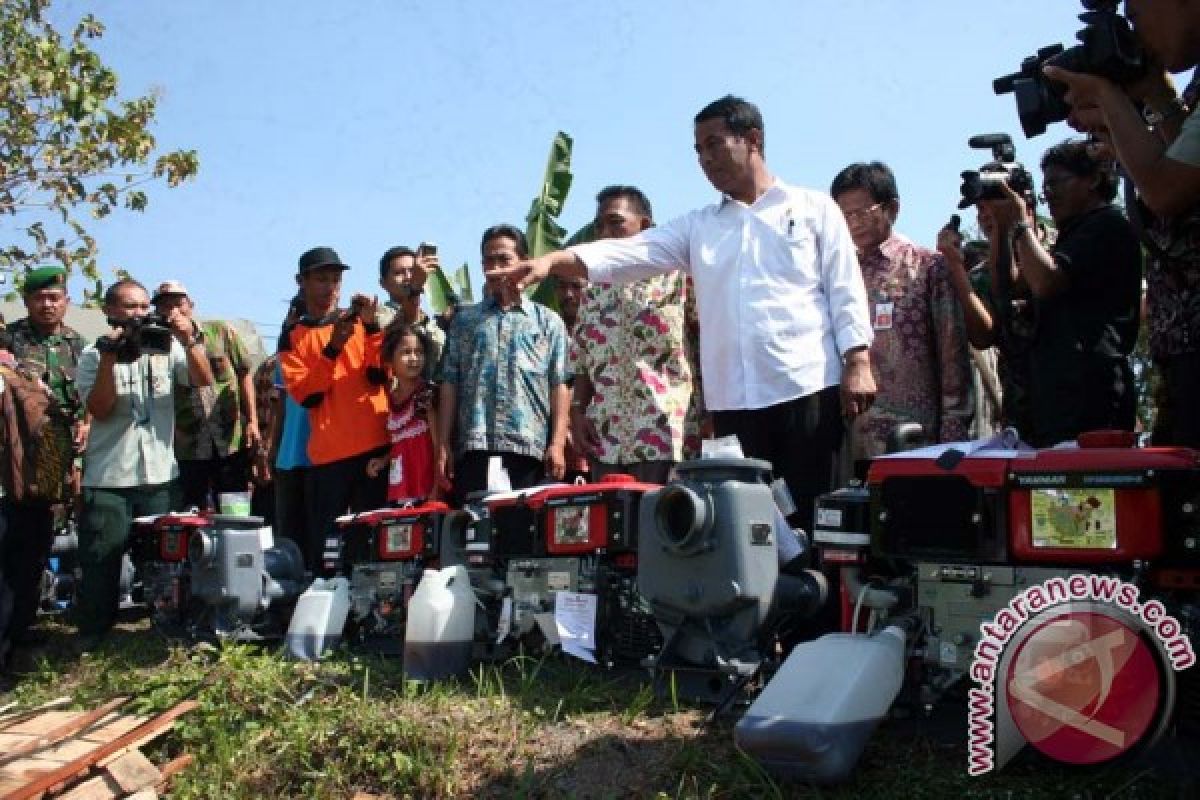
x,y
542,230
463,278
544,293
441,291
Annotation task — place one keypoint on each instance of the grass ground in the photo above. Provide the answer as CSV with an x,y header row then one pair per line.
x,y
527,728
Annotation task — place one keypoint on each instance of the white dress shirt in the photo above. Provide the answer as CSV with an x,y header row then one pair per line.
x,y
779,293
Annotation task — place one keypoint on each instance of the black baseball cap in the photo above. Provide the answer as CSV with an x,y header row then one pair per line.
x,y
320,257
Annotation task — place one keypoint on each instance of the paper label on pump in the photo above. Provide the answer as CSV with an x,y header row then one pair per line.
x,y
575,620
505,624
948,652
558,581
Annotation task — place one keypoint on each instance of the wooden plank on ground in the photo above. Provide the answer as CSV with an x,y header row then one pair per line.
x,y
62,730
133,771
20,716
101,787
41,783
174,767
144,794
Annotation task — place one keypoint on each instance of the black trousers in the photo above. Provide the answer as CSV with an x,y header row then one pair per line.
x,y
1178,419
25,548
331,490
800,438
198,478
291,505
471,472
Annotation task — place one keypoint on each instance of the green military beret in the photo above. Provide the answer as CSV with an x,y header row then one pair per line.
x,y
44,278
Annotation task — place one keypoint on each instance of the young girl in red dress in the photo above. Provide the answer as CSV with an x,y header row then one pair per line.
x,y
412,420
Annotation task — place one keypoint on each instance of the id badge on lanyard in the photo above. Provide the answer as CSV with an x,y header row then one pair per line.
x,y
882,312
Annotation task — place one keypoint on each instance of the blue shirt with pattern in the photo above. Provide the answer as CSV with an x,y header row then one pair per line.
x,y
504,363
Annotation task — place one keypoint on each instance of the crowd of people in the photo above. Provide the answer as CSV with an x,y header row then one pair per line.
x,y
799,321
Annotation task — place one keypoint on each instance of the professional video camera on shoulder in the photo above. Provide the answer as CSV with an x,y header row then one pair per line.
x,y
1107,47
148,335
985,182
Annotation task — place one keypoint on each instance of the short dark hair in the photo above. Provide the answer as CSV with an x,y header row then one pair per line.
x,y
875,178
396,332
506,232
1073,156
110,294
740,115
390,255
631,193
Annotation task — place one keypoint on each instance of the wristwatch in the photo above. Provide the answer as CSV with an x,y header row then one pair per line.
x,y
1175,107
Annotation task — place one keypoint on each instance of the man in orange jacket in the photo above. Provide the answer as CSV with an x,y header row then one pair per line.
x,y
330,363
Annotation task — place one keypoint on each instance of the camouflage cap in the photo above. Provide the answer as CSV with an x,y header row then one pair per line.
x,y
44,278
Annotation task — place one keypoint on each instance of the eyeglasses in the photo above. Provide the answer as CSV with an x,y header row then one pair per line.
x,y
851,216
1052,185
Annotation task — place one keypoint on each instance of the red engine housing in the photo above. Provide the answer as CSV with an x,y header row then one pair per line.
x,y
1115,491
591,517
1090,505
393,534
165,537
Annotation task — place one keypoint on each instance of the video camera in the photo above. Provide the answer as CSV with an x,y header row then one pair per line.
x,y
1108,47
148,335
985,182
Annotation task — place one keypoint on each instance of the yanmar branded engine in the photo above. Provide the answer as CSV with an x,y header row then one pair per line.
x,y
523,548
955,541
384,553
215,575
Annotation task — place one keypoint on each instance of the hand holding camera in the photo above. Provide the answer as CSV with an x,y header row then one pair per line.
x,y
361,308
426,263
1007,209
134,336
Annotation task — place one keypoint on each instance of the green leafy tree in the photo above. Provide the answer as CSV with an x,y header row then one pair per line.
x,y
70,149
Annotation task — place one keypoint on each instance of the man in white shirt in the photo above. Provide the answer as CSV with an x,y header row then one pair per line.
x,y
782,308
129,467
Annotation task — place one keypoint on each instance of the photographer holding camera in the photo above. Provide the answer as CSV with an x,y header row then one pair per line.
x,y
1086,292
402,274
1159,148
331,367
127,381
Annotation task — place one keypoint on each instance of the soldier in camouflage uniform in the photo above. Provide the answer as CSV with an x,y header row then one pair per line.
x,y
50,349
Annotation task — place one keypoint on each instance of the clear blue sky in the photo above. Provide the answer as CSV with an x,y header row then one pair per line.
x,y
366,124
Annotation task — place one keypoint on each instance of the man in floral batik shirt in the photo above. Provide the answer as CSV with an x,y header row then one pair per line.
x,y
919,354
636,406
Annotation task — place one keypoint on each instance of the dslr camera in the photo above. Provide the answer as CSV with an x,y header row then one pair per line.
x,y
148,335
1107,47
985,182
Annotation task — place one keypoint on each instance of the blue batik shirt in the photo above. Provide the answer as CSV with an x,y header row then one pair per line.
x,y
504,363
